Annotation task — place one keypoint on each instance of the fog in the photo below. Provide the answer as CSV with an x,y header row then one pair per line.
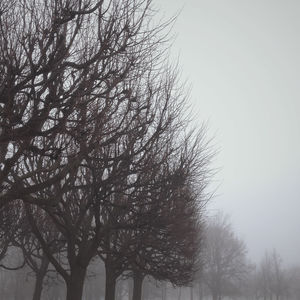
x,y
242,60
107,192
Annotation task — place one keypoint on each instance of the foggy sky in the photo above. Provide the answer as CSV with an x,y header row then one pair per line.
x,y
242,59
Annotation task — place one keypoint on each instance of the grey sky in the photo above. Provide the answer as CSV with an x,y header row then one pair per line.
x,y
243,60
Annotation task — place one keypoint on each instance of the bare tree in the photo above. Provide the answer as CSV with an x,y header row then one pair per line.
x,y
85,108
105,195
224,258
293,280
76,77
279,286
57,60
163,239
272,281
95,191
68,71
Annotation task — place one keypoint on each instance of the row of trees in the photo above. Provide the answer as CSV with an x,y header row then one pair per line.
x,y
225,273
96,158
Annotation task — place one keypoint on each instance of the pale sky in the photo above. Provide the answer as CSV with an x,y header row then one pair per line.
x,y
242,59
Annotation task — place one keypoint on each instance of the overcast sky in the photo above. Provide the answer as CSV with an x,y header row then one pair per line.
x,y
242,59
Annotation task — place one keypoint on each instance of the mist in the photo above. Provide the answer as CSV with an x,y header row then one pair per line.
x,y
149,150
242,61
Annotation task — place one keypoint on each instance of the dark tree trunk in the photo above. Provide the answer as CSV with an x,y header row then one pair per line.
x,y
137,286
110,283
75,283
38,287
40,275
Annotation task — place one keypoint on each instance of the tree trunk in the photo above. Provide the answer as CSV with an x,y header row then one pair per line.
x,y
137,286
38,287
40,275
110,283
75,283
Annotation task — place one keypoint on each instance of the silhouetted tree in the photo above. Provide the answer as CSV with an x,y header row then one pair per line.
x,y
163,240
77,76
58,59
168,248
87,108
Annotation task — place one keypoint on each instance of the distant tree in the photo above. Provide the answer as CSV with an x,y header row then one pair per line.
x,y
293,281
224,257
279,285
272,277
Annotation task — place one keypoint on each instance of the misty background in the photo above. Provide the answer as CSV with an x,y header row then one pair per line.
x,y
242,60
151,236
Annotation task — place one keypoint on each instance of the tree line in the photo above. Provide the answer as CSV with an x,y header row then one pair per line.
x,y
228,272
98,164
224,272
